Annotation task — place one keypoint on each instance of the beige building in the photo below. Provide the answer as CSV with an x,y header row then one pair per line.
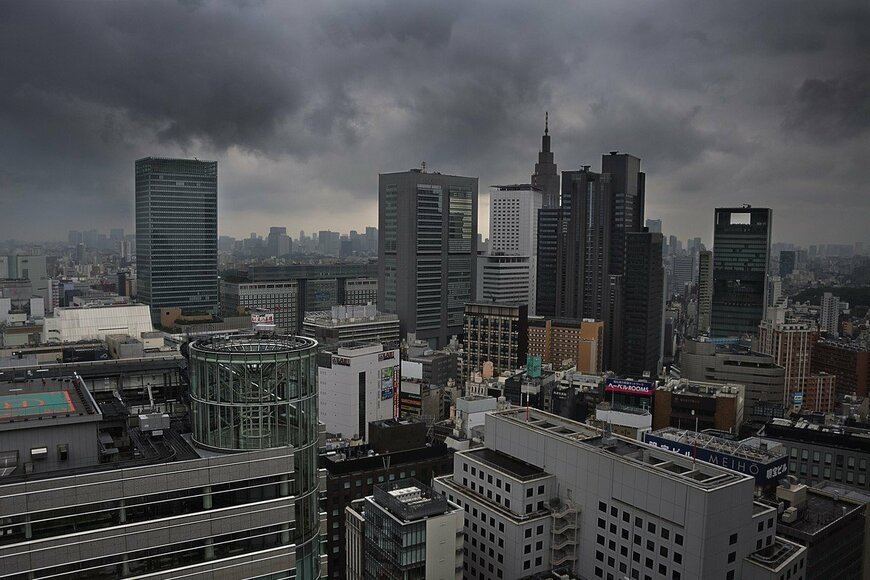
x,y
578,342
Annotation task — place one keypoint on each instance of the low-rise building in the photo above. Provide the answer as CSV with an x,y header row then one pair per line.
x,y
699,405
819,452
408,530
351,324
358,384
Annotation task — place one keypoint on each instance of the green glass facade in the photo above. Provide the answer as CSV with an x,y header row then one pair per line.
x,y
258,392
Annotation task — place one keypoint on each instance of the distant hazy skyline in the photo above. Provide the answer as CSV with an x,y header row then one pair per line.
x,y
303,104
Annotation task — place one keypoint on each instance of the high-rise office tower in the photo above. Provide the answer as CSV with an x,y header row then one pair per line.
x,y
628,191
741,253
654,226
513,229
278,242
643,308
705,290
829,314
588,205
551,229
176,234
426,251
546,177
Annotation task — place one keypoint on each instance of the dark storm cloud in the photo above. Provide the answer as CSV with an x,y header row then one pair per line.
x,y
303,104
832,109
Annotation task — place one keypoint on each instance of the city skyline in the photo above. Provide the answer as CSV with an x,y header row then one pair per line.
x,y
773,114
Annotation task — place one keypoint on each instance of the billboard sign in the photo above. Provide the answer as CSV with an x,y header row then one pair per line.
x,y
533,365
397,381
386,383
645,388
764,473
797,398
262,318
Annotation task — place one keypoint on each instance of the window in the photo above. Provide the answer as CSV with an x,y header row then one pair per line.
x,y
624,534
527,564
678,558
527,549
729,575
625,517
678,539
666,533
613,511
599,555
732,556
540,489
663,551
602,507
539,545
638,522
528,532
650,545
538,561
651,527
539,530
732,540
507,487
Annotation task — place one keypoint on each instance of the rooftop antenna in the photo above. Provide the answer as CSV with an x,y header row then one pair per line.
x,y
546,122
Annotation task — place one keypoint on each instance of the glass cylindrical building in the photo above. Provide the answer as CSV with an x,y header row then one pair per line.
x,y
259,391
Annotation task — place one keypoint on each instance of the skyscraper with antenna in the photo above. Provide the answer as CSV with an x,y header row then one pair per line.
x,y
545,177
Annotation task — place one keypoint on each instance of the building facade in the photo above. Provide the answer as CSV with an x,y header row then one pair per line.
x,y
409,531
176,234
580,342
293,290
741,253
359,383
705,291
763,379
496,333
849,362
698,405
513,229
546,494
427,251
351,324
504,279
643,307
352,473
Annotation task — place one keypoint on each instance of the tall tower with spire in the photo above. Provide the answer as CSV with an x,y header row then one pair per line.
x,y
545,177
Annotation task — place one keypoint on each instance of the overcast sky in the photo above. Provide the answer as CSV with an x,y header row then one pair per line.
x,y
304,103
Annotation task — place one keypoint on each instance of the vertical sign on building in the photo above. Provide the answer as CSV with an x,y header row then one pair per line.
x,y
397,380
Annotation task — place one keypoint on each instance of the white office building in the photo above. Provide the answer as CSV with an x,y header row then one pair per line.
x,y
829,314
358,383
504,279
98,322
549,494
513,228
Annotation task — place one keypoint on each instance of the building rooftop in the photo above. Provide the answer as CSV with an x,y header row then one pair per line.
x,y
831,435
348,315
752,448
517,187
698,474
776,555
820,511
29,402
702,388
252,343
518,469
409,500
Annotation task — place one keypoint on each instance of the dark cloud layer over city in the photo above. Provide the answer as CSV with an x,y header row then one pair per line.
x,y
303,104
